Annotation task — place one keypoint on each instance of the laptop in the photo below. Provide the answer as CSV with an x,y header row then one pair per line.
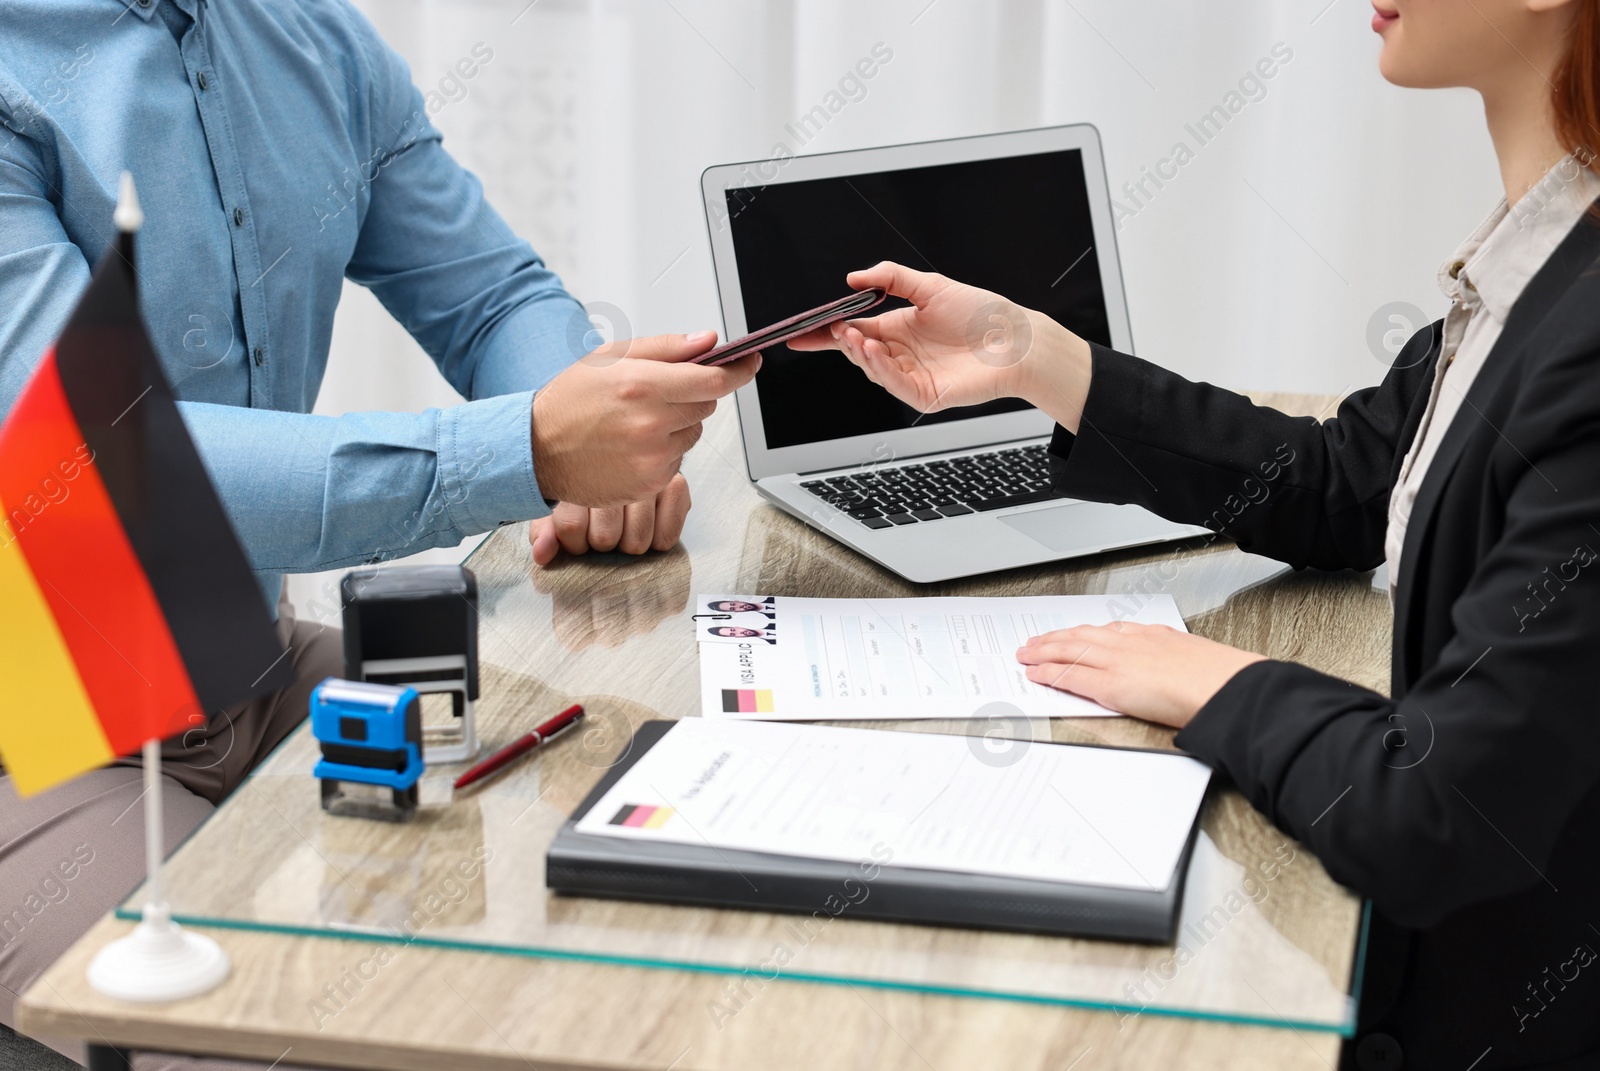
x,y
930,496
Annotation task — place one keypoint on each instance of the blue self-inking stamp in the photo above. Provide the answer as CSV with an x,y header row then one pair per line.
x,y
371,737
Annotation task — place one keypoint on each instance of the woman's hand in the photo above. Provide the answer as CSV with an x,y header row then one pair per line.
x,y
1152,672
959,345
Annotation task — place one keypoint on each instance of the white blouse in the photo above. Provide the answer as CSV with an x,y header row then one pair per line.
x,y
1483,279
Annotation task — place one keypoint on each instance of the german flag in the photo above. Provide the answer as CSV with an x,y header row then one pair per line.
x,y
130,609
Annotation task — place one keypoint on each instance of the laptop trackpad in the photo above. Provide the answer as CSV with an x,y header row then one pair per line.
x,y
1077,526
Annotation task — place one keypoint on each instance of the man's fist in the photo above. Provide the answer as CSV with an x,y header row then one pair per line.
x,y
613,428
653,524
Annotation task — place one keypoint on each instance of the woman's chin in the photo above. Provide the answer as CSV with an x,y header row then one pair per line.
x,y
1393,68
1397,70
1405,79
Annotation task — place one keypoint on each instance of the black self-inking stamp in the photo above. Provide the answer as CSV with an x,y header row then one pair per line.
x,y
416,626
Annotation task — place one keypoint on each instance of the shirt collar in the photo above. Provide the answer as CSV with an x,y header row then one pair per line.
x,y
1496,261
144,9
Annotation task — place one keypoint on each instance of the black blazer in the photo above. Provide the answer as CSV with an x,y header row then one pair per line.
x,y
1478,841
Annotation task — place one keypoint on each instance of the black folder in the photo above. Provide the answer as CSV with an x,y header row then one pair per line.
x,y
579,864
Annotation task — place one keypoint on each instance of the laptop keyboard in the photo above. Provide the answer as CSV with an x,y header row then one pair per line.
x,y
954,487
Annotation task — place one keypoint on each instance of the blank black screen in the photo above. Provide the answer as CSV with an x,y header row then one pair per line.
x,y
1014,225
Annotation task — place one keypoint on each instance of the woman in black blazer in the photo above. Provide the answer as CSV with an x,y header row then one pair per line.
x,y
1474,470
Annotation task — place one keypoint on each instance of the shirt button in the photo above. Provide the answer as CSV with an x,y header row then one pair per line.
x,y
1379,1052
238,217
203,80
260,356
146,3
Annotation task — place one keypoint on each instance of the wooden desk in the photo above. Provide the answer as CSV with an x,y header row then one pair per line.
x,y
610,632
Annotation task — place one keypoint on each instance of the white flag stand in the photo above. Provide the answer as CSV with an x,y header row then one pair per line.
x,y
159,960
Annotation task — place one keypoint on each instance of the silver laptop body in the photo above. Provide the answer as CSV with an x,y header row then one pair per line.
x,y
1026,214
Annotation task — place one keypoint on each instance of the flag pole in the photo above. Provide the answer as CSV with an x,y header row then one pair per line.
x,y
159,960
154,828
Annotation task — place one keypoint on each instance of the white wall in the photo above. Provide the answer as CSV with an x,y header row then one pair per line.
x,y
1260,265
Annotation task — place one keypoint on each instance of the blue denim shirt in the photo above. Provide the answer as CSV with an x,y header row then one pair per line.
x,y
279,148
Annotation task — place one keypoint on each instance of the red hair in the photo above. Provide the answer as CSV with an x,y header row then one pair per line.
x,y
1575,98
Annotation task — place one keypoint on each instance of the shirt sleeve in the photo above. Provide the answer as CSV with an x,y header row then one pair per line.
x,y
477,298
366,487
304,492
42,272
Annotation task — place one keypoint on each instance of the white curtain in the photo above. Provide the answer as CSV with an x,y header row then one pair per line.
x,y
1278,254
1327,197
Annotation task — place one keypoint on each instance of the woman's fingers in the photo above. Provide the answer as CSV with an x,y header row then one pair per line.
x,y
1155,672
852,343
870,326
872,357
917,287
1072,652
818,338
862,347
1114,632
1072,644
1091,682
826,337
854,339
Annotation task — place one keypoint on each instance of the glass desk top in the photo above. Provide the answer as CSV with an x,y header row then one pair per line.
x,y
1264,936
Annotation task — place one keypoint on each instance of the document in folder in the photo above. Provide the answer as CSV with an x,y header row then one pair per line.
x,y
1048,812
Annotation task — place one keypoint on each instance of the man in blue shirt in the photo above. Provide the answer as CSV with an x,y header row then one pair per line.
x,y
280,148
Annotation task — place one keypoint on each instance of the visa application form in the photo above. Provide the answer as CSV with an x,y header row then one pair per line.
x,y
780,658
1053,812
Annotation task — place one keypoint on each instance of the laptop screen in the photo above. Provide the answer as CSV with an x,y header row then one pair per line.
x,y
1019,226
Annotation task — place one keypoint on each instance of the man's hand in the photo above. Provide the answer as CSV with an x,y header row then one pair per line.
x,y
613,428
1152,672
652,524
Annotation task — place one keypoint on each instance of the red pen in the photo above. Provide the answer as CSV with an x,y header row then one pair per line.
x,y
542,735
